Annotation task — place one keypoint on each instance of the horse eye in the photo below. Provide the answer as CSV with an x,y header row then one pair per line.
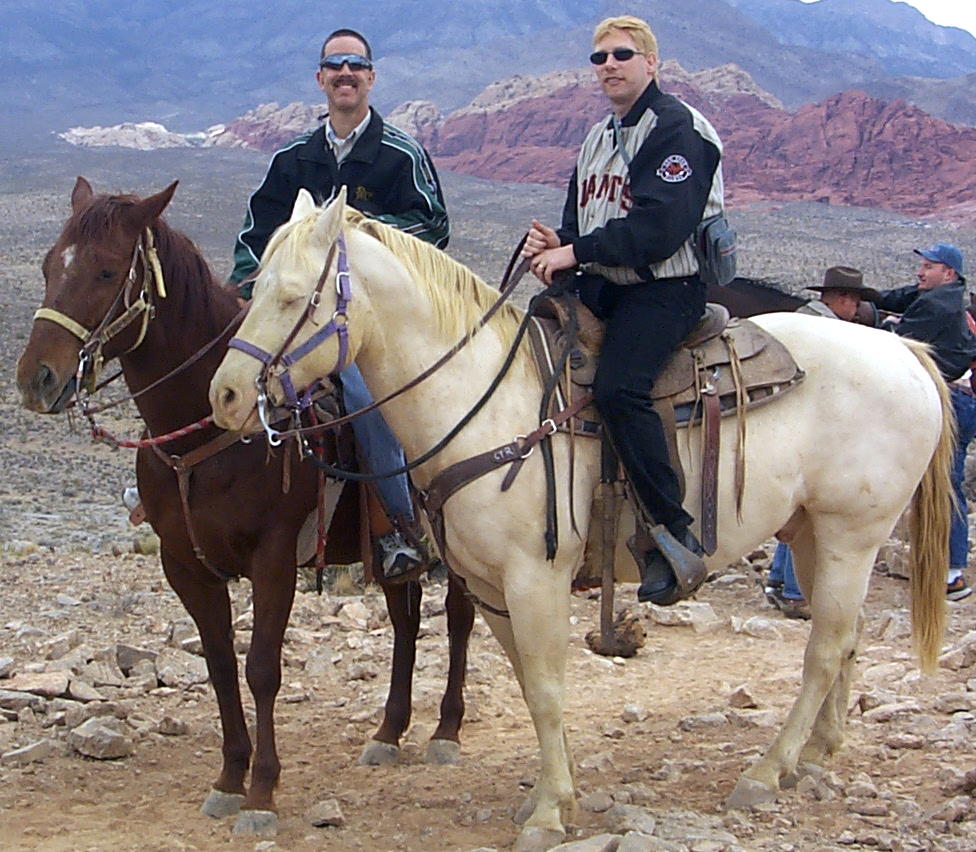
x,y
106,275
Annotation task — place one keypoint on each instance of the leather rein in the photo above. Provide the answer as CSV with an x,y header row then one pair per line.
x,y
454,477
91,361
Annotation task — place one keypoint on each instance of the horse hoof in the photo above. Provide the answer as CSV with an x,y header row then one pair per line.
x,y
259,823
443,752
376,753
748,793
220,804
534,839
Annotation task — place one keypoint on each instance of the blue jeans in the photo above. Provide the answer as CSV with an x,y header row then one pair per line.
x,y
782,570
378,446
964,407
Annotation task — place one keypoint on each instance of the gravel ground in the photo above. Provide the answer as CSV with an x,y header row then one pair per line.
x,y
661,733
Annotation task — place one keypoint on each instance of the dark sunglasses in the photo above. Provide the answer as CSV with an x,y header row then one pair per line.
x,y
335,61
621,54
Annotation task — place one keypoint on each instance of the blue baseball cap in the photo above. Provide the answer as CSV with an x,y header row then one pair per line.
x,y
943,253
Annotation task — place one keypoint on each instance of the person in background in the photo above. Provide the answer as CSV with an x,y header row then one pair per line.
x,y
933,310
841,295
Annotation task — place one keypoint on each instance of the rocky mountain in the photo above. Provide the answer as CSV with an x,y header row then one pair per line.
x,y
191,63
949,99
895,35
848,149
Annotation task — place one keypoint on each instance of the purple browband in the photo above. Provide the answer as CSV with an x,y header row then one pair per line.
x,y
334,326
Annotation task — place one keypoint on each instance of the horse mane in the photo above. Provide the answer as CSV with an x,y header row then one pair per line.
x,y
459,297
185,265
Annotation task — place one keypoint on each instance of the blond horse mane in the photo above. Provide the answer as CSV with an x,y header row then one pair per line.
x,y
459,297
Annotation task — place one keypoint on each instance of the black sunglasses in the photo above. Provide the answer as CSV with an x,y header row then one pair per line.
x,y
621,54
335,61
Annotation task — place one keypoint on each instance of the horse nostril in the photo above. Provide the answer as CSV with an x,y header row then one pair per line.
x,y
44,378
227,398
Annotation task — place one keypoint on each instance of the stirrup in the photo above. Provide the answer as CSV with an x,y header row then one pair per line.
x,y
686,564
398,558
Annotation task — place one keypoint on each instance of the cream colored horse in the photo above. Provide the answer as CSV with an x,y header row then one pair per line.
x,y
831,466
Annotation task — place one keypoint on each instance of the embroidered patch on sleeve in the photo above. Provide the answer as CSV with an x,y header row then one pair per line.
x,y
674,169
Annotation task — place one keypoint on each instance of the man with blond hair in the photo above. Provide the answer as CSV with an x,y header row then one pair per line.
x,y
645,178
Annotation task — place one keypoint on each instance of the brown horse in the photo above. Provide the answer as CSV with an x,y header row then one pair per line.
x,y
235,518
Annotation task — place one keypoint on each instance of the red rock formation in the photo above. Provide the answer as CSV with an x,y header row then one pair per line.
x,y
848,149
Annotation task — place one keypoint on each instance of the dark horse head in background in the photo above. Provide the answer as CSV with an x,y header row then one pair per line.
x,y
746,297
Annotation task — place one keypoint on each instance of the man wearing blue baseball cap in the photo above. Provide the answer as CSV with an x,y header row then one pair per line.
x,y
933,310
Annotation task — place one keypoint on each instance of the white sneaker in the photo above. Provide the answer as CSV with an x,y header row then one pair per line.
x,y
397,554
131,498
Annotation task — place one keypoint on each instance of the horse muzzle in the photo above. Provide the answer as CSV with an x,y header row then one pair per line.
x,y
44,392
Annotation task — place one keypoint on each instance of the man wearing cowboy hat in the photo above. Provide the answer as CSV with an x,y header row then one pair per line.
x,y
840,294
840,298
933,310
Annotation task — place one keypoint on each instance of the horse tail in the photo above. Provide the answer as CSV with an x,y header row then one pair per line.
x,y
931,517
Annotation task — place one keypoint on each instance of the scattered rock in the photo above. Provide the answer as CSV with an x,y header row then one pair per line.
x,y
326,813
597,802
103,738
742,697
170,726
703,720
127,657
624,818
33,753
756,626
634,713
45,684
180,669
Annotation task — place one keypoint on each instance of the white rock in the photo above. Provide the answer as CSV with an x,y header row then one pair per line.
x,y
33,753
326,812
597,843
634,713
759,627
45,684
180,669
102,738
624,818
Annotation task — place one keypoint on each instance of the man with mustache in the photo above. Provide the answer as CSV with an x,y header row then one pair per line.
x,y
388,176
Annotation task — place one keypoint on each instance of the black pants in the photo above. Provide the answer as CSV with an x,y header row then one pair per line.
x,y
644,324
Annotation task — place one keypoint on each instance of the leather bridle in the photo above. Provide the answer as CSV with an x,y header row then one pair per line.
x,y
90,357
279,364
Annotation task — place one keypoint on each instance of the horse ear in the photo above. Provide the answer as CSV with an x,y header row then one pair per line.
x,y
304,205
148,210
81,195
330,220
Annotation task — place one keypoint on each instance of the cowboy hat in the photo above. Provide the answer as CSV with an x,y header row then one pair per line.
x,y
846,278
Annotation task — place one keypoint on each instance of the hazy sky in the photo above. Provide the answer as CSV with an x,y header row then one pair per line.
x,y
948,13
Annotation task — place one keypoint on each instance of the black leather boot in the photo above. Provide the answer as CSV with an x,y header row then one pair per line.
x,y
660,584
